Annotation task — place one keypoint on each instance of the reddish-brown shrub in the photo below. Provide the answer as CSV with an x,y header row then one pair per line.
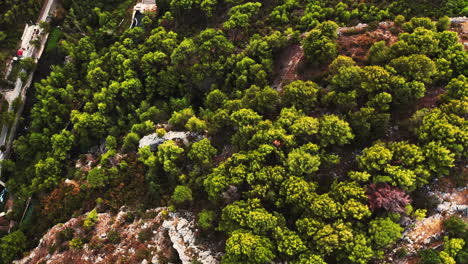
x,y
390,198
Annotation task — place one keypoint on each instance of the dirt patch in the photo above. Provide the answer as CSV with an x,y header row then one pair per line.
x,y
286,66
425,229
431,99
356,41
460,25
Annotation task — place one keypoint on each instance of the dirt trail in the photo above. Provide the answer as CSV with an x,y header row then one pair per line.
x,y
286,68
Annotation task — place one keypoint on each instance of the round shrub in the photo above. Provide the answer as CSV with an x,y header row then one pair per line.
x,y
182,194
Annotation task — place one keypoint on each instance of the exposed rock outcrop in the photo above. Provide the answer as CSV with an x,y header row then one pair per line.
x,y
157,237
429,231
153,140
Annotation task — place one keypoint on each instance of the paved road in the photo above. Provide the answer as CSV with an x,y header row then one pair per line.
x,y
46,11
31,32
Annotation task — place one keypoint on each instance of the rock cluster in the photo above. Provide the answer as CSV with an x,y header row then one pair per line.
x,y
153,140
170,238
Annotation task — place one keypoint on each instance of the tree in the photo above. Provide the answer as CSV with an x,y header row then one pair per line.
x,y
88,125
246,121
429,256
111,143
182,194
12,246
215,99
443,23
375,79
359,176
399,20
325,207
184,52
99,177
343,191
334,131
417,22
180,118
374,158
240,16
305,126
301,163
130,142
144,128
264,101
379,53
445,128
446,258
248,215
206,219
196,125
333,237
457,88
347,79
353,208
301,94
456,226
289,243
439,159
339,63
91,219
421,41
452,246
409,155
318,48
208,6
417,67
401,177
328,29
202,152
245,247
368,123
48,174
309,258
297,191
168,155
360,251
384,232
61,144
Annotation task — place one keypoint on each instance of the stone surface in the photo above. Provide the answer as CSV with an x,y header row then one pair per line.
x,y
153,141
174,238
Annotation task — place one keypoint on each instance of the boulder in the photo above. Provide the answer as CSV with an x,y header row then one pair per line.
x,y
153,140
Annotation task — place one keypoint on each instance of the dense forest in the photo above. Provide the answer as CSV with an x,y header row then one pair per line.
x,y
319,168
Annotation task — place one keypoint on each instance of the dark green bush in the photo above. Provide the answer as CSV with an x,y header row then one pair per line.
x,y
113,236
401,252
429,256
65,235
144,235
129,217
205,219
455,226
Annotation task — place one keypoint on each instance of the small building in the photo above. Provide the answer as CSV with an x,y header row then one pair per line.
x,y
145,6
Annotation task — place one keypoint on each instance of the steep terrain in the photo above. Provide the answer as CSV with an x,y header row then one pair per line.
x,y
158,236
